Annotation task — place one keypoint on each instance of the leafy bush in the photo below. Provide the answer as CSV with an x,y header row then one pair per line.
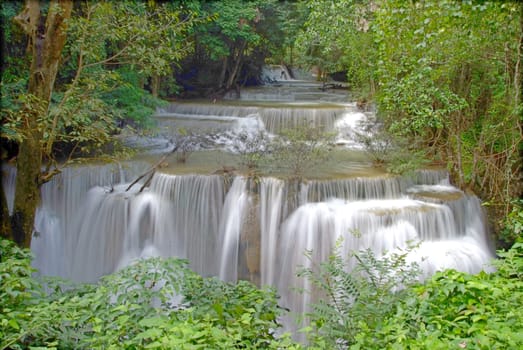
x,y
355,300
458,310
301,148
131,103
513,224
18,291
154,303
377,305
254,150
377,142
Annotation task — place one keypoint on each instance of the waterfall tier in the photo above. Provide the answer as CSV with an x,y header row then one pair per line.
x,y
258,229
88,225
274,118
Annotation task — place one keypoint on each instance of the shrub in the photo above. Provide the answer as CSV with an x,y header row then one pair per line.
x,y
154,303
355,300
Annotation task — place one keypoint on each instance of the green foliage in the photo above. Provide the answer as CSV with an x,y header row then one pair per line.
x,y
142,39
281,26
405,159
386,148
153,303
354,301
301,148
291,153
148,37
254,151
513,224
457,310
233,46
14,59
453,84
129,102
337,37
445,75
13,95
18,291
91,99
380,305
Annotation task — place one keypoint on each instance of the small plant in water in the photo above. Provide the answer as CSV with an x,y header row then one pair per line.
x,y
300,149
253,149
187,142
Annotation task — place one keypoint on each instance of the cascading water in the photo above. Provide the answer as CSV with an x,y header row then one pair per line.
x,y
235,227
231,225
271,200
274,119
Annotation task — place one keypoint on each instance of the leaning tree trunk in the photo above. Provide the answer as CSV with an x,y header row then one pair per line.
x,y
237,57
46,43
223,72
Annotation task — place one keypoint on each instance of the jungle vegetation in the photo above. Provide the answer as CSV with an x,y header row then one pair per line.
x,y
445,77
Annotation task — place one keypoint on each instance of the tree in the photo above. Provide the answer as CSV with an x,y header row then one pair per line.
x,y
78,111
337,36
254,150
288,21
46,43
452,87
231,49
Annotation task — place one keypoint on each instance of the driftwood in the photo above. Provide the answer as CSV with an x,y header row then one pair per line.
x,y
151,171
326,86
225,170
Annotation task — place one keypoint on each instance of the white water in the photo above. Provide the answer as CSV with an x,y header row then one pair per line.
x,y
271,201
450,235
234,212
220,125
89,226
274,118
86,231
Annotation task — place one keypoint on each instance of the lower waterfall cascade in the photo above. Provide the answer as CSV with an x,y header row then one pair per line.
x,y
88,227
231,226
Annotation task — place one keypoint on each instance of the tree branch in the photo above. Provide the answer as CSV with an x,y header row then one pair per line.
x,y
151,171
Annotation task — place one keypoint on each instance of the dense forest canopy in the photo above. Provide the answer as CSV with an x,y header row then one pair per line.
x,y
445,75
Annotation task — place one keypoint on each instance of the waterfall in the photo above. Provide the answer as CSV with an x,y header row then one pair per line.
x,y
234,212
258,228
274,119
271,199
261,230
451,234
88,226
275,73
192,219
99,233
8,182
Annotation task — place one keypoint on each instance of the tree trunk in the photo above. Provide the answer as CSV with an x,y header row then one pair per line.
x,y
155,85
46,46
5,225
223,72
237,59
